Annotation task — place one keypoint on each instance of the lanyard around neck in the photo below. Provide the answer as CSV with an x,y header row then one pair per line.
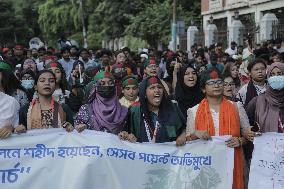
x,y
148,130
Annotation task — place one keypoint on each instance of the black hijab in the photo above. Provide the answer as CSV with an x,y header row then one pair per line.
x,y
166,114
187,97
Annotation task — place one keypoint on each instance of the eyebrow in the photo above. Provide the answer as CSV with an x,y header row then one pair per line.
x,y
46,78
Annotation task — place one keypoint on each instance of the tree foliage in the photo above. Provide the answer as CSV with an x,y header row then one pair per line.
x,y
148,20
13,26
154,23
59,18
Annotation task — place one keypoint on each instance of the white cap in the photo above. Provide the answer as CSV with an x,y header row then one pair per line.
x,y
144,56
145,50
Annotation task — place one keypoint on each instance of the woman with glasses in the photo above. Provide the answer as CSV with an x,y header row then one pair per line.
x,y
230,92
232,69
216,116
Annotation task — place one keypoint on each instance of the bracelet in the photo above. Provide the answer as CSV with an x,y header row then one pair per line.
x,y
240,141
65,124
188,137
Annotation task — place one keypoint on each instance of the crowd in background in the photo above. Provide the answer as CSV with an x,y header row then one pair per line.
x,y
148,96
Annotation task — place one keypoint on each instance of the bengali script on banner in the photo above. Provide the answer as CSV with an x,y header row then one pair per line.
x,y
267,165
95,160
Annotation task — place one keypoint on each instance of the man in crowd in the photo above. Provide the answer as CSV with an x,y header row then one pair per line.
x,y
232,50
257,83
66,61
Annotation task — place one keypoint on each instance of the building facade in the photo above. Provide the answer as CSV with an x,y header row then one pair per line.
x,y
262,19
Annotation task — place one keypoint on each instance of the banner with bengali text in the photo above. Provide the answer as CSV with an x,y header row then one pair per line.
x,y
53,158
267,164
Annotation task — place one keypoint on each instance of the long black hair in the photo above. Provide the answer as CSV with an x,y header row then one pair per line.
x,y
42,72
63,85
165,105
10,82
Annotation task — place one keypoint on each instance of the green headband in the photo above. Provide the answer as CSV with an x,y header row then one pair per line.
x,y
103,74
129,80
5,66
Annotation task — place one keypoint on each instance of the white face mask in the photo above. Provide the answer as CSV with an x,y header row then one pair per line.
x,y
28,84
276,82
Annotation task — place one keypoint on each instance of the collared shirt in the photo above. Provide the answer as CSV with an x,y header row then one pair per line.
x,y
243,91
67,65
89,63
9,110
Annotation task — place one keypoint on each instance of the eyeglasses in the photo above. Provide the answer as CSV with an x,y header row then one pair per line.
x,y
213,83
228,84
152,66
118,70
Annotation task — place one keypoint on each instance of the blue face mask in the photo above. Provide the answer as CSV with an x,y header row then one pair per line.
x,y
28,84
276,82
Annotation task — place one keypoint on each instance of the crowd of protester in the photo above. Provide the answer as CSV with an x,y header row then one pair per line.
x,y
149,96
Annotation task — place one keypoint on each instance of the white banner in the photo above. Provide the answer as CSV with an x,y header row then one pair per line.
x,y
267,165
95,160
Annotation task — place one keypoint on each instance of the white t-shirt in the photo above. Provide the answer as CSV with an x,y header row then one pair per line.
x,y
9,110
191,115
280,50
230,51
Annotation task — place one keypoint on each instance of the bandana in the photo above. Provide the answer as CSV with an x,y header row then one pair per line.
x,y
103,74
49,59
91,71
19,47
211,73
153,80
54,65
129,80
5,50
150,62
5,66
